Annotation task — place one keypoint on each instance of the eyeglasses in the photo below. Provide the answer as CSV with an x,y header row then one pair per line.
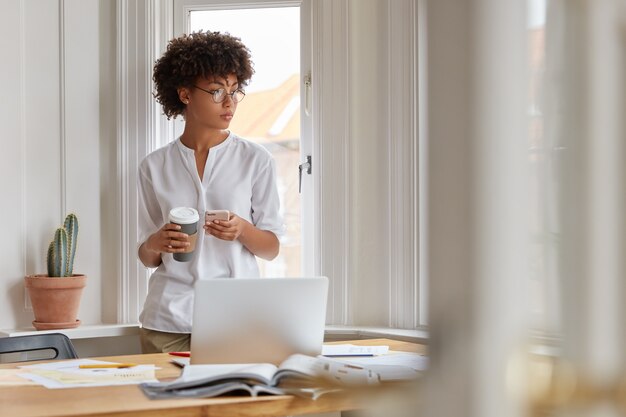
x,y
220,94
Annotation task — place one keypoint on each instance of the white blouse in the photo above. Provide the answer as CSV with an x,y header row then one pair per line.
x,y
239,176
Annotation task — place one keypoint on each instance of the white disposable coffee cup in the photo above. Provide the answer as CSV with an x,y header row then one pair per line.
x,y
187,218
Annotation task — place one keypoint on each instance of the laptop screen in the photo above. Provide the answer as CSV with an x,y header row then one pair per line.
x,y
259,320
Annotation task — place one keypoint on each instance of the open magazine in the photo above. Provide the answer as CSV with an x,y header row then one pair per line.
x,y
298,374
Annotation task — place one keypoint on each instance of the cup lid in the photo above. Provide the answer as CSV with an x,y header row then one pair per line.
x,y
184,215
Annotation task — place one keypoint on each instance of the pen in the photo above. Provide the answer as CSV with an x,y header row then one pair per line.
x,y
107,365
182,354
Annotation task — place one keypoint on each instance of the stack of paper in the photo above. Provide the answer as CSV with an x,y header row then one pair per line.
x,y
390,366
395,366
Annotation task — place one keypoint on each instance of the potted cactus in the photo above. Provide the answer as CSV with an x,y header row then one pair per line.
x,y
55,297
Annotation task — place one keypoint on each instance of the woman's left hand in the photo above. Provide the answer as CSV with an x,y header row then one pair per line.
x,y
227,230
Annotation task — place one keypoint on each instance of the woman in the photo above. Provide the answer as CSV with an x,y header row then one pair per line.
x,y
201,77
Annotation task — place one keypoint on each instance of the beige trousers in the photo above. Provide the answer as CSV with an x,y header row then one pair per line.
x,y
153,341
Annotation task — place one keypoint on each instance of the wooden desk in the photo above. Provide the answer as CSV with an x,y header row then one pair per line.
x,y
128,400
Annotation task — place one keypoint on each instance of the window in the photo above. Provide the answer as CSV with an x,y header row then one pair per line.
x,y
359,124
270,112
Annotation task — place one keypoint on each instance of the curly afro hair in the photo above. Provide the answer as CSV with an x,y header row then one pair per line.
x,y
200,54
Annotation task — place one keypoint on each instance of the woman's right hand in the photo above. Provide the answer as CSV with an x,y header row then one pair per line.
x,y
168,239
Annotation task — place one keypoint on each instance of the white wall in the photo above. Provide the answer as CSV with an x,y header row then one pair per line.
x,y
60,141
53,145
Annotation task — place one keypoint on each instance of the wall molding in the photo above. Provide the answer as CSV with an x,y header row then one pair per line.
x,y
62,108
123,161
420,106
143,28
402,145
22,140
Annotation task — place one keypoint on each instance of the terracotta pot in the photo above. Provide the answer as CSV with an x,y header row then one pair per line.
x,y
55,300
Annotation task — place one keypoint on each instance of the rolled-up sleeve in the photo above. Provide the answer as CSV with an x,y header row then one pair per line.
x,y
266,202
149,218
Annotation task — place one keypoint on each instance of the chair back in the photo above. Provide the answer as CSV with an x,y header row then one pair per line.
x,y
36,347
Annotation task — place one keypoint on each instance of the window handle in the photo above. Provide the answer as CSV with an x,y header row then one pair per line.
x,y
307,95
304,166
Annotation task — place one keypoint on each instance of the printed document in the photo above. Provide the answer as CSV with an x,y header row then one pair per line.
x,y
67,374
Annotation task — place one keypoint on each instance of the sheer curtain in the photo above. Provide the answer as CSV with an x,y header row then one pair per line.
x,y
586,113
477,215
478,231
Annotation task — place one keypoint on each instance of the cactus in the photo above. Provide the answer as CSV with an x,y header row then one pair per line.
x,y
62,249
71,227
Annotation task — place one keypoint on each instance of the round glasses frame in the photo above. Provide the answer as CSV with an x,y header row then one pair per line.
x,y
220,94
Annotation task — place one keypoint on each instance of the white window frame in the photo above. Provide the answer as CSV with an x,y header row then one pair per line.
x,y
143,28
143,31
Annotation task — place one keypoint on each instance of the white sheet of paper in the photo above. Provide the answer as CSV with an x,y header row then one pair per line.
x,y
182,362
194,372
353,350
411,360
67,374
395,366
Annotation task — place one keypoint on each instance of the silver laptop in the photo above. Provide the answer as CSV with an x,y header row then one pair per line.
x,y
257,320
